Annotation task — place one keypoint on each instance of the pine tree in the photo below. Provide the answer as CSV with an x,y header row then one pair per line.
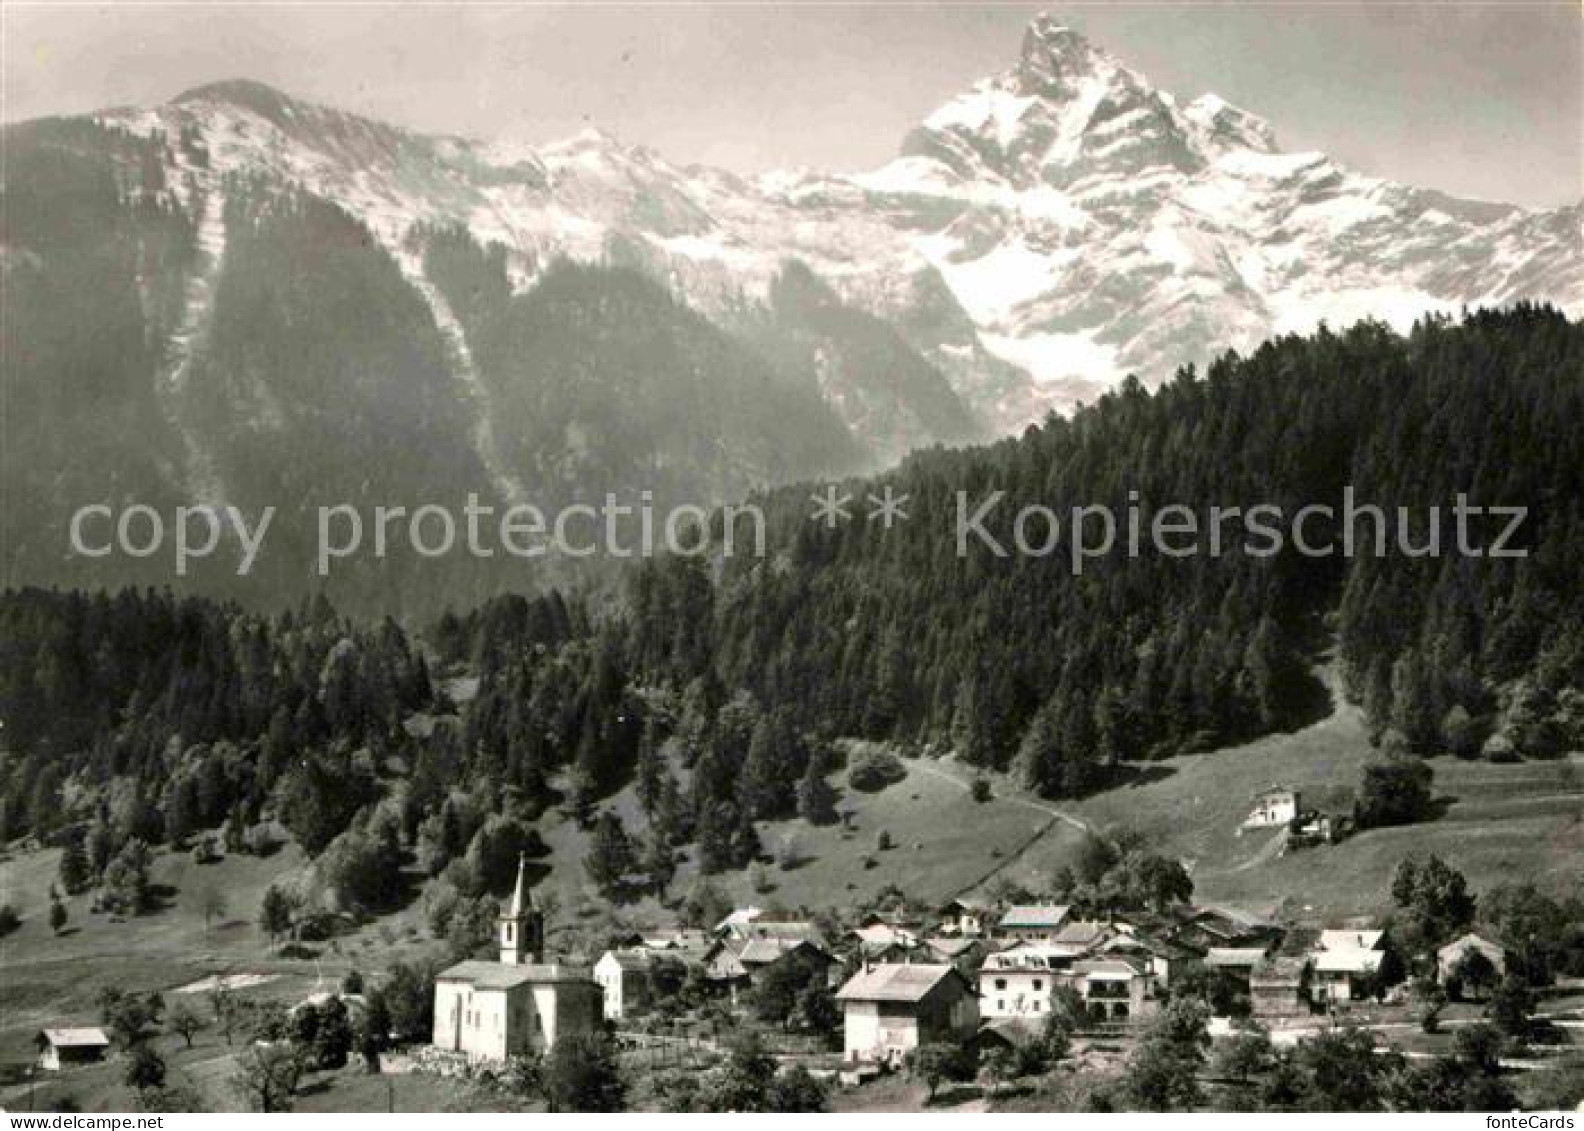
x,y
75,872
816,800
611,859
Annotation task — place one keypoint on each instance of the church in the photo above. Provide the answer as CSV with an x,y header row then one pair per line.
x,y
519,1004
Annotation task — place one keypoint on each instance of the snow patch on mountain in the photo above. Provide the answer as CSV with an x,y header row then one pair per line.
x,y
1050,230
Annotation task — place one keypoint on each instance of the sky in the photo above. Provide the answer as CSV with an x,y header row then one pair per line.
x,y
1481,100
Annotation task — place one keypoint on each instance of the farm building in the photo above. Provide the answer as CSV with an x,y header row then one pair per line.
x,y
1273,808
62,1048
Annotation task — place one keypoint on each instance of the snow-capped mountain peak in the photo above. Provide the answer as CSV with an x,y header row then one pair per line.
x,y
1056,57
1052,228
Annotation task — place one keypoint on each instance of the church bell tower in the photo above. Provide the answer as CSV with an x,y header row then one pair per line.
x,y
522,927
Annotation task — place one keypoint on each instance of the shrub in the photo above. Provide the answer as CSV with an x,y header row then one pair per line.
x,y
874,770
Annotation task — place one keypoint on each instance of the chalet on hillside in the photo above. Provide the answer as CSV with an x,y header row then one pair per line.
x,y
1273,808
890,1010
63,1048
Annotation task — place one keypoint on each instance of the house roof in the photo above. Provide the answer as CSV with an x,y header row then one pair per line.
x,y
965,903
1279,972
1015,1032
1350,960
1035,956
1351,940
951,946
1149,943
1117,967
887,952
791,930
884,933
1233,957
1083,933
910,982
679,938
761,952
1470,941
500,976
630,958
87,1036
1235,916
1034,916
740,917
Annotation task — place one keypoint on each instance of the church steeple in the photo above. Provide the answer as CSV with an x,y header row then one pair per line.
x,y
522,927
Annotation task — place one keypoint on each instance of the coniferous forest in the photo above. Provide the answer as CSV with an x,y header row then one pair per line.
x,y
142,715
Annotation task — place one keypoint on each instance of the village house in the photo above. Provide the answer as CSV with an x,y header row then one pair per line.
x,y
737,922
1204,927
63,1048
1031,923
878,934
1273,808
684,941
1115,988
966,915
1368,938
1235,963
1314,827
1014,1034
519,1004
1277,988
964,952
740,963
1345,965
1162,956
623,977
1454,959
1087,933
1019,981
876,953
890,1010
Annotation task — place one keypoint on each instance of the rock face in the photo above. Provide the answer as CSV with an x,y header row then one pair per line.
x,y
1040,236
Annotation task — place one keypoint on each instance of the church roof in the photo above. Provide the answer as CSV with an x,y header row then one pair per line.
x,y
521,901
501,976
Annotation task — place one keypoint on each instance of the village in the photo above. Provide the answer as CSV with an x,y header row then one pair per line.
x,y
973,1000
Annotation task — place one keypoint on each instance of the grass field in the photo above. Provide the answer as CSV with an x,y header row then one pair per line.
x,y
1499,822
943,843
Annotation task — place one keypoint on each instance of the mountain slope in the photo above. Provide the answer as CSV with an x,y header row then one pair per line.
x,y
1041,235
